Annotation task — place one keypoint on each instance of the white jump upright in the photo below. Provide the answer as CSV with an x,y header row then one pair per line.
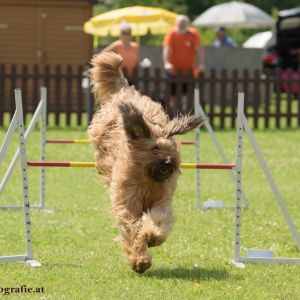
x,y
199,111
40,113
17,122
255,255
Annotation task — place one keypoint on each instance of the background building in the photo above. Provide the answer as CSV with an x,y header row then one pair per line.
x,y
44,31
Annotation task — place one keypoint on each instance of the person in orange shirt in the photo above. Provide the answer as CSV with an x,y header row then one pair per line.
x,y
182,52
127,49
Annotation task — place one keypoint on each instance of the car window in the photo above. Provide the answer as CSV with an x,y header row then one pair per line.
x,y
289,23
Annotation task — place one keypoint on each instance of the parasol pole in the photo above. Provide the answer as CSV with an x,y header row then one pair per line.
x,y
138,37
96,41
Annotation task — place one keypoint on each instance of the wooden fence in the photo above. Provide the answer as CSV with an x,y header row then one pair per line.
x,y
270,101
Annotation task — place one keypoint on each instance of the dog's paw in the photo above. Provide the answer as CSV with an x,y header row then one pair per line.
x,y
141,264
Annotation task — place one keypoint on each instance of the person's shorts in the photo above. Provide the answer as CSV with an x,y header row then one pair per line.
x,y
175,85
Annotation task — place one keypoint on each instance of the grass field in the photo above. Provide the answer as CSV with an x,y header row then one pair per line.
x,y
80,259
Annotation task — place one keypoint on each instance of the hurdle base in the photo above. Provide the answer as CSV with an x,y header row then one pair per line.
x,y
14,258
268,260
33,263
262,256
46,211
237,264
213,204
22,258
34,207
259,253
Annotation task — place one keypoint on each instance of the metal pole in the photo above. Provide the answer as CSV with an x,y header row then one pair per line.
x,y
7,137
19,110
238,178
197,142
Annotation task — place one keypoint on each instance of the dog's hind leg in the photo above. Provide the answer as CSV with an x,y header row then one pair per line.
x,y
156,224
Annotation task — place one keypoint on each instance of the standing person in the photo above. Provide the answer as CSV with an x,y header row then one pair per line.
x,y
182,51
127,49
223,40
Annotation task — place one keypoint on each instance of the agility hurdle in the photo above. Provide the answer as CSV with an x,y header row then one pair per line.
x,y
78,164
63,141
199,111
39,114
255,255
17,122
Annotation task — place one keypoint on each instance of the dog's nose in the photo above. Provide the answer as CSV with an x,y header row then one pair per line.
x,y
166,162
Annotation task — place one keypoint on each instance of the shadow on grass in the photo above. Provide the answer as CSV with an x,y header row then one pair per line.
x,y
189,273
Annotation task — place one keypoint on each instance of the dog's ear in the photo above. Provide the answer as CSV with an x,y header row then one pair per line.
x,y
183,124
134,124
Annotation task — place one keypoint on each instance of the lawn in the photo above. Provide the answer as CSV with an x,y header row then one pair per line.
x,y
81,260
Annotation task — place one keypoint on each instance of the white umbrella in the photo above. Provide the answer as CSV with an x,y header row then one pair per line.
x,y
234,14
258,40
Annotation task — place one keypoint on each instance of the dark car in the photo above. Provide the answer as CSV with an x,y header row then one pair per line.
x,y
285,53
283,57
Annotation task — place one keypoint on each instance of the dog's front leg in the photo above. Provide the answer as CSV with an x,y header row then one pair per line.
x,y
132,239
138,258
135,245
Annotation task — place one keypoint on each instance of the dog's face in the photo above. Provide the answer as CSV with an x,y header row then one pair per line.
x,y
154,148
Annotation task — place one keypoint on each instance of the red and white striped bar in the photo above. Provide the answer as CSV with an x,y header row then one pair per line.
x,y
63,141
92,165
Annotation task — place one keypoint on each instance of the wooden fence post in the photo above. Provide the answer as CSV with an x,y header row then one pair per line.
x,y
256,100
224,81
13,84
278,99
47,85
24,82
35,85
212,88
234,97
57,93
69,94
79,93
2,93
267,100
245,81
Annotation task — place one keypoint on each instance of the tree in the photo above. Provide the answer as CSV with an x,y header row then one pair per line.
x,y
177,6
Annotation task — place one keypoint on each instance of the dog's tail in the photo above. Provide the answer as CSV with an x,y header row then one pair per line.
x,y
106,76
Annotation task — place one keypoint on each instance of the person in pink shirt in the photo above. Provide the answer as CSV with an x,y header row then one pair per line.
x,y
127,49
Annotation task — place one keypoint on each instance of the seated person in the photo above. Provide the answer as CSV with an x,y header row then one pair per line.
x,y
223,40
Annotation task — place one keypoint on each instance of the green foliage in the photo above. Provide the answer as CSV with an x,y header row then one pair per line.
x,y
176,6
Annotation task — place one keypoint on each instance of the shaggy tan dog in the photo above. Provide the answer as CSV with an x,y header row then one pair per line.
x,y
137,156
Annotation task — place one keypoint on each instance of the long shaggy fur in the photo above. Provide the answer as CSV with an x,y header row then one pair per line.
x,y
137,157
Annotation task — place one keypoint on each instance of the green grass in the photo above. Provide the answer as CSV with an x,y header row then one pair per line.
x,y
80,259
